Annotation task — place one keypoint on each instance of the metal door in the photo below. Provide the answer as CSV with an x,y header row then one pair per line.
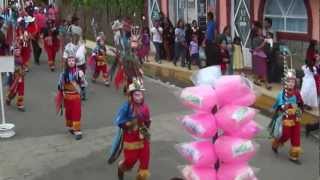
x,y
241,27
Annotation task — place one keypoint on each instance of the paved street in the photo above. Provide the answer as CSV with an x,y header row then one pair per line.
x,y
43,150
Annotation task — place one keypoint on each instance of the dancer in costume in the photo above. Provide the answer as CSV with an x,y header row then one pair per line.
x,y
99,56
285,124
77,50
51,43
24,36
128,64
133,121
69,87
35,30
16,79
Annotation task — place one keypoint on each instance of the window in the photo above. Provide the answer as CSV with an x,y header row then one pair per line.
x,y
287,15
187,10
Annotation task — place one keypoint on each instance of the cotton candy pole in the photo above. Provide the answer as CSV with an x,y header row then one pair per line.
x,y
225,156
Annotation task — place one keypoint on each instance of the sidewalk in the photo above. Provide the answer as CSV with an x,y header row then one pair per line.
x,y
179,76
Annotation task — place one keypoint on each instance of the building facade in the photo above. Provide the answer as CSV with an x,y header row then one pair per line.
x,y
295,21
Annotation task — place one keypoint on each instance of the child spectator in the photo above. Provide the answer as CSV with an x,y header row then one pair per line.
x,y
143,52
194,51
309,89
237,56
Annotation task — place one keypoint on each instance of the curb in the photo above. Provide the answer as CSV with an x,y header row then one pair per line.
x,y
181,77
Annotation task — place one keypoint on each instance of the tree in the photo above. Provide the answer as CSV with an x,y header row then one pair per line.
x,y
103,11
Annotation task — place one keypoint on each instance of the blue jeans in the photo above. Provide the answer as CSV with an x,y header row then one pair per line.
x,y
158,45
195,57
179,52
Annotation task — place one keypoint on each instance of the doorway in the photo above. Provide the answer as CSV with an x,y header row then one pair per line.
x,y
241,27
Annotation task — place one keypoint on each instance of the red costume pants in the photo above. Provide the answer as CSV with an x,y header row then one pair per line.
x,y
25,56
52,49
72,105
16,90
101,69
291,130
136,149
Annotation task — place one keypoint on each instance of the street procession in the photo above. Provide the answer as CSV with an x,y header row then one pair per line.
x,y
159,89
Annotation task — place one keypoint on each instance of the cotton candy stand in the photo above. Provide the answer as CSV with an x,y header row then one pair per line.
x,y
223,126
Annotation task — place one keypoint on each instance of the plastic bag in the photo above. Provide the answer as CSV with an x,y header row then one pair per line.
x,y
206,76
202,53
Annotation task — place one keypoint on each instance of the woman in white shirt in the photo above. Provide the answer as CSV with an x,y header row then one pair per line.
x,y
156,33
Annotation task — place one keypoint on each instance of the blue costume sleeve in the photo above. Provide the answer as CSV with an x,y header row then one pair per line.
x,y
279,101
60,82
124,114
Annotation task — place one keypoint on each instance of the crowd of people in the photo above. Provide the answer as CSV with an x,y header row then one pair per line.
x,y
268,63
189,44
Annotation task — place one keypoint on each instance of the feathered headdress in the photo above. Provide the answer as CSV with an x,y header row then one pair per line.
x,y
135,36
289,71
136,85
126,66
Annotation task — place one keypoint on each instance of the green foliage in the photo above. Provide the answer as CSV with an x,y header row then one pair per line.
x,y
127,5
103,11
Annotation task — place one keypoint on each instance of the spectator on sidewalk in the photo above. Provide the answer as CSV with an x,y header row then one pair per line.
x,y
194,51
144,50
196,30
237,56
156,33
274,68
260,57
195,27
312,52
226,48
309,88
267,24
188,39
162,19
168,39
210,46
180,44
